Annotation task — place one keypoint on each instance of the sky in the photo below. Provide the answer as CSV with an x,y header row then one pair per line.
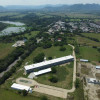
x,y
43,2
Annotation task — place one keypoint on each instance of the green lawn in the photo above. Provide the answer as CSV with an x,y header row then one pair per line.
x,y
5,49
53,52
33,33
13,95
74,20
89,53
10,95
78,94
93,35
64,75
86,41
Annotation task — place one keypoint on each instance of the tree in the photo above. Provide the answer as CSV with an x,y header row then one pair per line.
x,y
47,45
19,91
54,70
62,48
24,92
39,58
53,79
77,83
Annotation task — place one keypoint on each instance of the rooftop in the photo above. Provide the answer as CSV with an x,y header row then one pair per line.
x,y
28,67
20,87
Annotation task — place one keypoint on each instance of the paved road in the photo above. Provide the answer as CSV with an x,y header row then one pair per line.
x,y
9,67
50,90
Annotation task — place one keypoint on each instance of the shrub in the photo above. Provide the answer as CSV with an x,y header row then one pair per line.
x,y
53,79
49,58
62,49
39,58
24,93
44,98
77,83
54,70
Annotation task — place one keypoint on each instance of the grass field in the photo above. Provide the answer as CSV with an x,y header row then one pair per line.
x,y
86,41
64,75
5,49
32,34
2,14
13,95
89,53
93,35
80,15
52,52
74,20
78,94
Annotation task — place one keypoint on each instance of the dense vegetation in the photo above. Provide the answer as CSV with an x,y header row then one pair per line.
x,y
2,26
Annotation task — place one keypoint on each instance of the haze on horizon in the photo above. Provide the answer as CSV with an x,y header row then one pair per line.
x,y
44,2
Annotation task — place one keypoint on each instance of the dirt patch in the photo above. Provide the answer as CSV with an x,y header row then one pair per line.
x,y
84,69
98,93
97,75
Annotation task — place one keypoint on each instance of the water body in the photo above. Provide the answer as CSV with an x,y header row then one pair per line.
x,y
12,30
13,23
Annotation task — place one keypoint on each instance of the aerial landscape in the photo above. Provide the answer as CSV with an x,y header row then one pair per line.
x,y
49,50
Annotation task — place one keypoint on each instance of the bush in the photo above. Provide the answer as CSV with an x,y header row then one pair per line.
x,y
53,79
77,83
62,49
49,58
19,92
44,98
39,58
47,45
54,70
24,93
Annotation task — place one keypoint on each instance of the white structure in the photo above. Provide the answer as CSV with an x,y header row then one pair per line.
x,y
93,80
42,71
97,67
34,74
21,87
84,60
18,44
48,64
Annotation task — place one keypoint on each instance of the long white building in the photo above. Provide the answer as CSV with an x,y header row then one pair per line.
x,y
20,87
48,64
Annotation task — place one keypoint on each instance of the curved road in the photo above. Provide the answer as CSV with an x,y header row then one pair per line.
x,y
50,90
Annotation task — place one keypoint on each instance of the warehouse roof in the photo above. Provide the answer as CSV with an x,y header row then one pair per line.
x,y
33,74
28,67
84,60
20,87
42,71
97,67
